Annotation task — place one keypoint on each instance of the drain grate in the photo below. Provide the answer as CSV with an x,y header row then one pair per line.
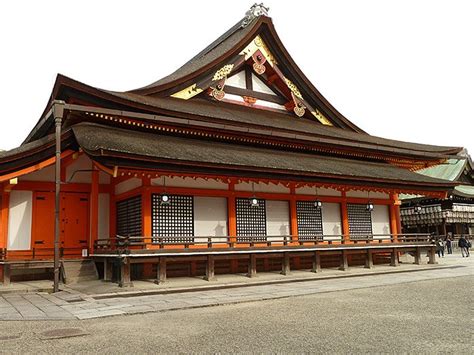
x,y
63,333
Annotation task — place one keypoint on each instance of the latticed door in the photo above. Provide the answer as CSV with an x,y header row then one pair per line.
x,y
310,221
251,220
360,220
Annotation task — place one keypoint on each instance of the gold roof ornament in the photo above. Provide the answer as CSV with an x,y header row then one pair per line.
x,y
255,11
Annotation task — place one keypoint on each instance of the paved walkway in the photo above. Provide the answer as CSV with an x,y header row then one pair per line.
x,y
72,304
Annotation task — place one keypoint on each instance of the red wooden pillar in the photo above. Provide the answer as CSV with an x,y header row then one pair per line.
x,y
232,223
395,226
94,210
345,219
294,223
146,208
4,219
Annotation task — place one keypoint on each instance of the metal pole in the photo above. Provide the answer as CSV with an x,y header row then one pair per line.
x,y
58,111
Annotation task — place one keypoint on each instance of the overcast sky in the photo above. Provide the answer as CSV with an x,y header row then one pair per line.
x,y
399,69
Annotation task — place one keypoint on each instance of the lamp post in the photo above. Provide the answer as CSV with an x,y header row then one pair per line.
x,y
58,112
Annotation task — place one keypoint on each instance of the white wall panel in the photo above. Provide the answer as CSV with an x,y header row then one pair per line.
x,y
332,223
19,220
381,221
104,217
278,218
81,163
210,216
272,188
127,185
177,181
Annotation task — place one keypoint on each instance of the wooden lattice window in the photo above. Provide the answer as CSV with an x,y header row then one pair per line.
x,y
129,216
360,219
310,220
174,219
251,220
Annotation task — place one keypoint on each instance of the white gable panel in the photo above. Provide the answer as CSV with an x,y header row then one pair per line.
x,y
237,80
259,86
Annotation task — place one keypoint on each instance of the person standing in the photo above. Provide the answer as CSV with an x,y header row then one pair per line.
x,y
468,246
449,244
440,247
463,245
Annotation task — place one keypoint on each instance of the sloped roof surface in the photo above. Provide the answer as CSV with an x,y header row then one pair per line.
x,y
101,140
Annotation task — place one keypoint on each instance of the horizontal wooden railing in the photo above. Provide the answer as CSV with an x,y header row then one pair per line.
x,y
40,253
124,243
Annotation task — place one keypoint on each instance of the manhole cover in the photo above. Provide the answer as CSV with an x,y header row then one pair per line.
x,y
10,337
63,333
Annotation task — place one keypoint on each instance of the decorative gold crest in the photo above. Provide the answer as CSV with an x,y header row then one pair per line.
x,y
223,72
321,118
293,88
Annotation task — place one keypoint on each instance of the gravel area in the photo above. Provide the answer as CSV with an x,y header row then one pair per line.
x,y
433,316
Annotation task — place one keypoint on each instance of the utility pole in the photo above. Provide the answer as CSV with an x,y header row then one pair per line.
x,y
58,112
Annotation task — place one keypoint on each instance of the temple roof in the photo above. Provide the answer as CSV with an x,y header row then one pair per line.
x,y
110,144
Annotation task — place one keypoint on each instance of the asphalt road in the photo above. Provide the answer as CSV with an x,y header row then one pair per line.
x,y
427,317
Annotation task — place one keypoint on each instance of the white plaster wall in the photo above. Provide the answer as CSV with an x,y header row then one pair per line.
x,y
260,187
259,86
306,190
210,217
332,223
45,174
127,185
381,221
81,163
363,194
278,218
237,80
199,183
104,221
19,220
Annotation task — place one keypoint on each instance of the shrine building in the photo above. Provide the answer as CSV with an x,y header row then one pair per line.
x,y
233,163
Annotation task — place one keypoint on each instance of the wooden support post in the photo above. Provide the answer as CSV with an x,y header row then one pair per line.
x,y
344,264
369,260
6,274
252,266
432,255
94,211
146,208
394,257
161,271
107,270
4,206
285,265
210,276
125,273
316,262
345,220
418,256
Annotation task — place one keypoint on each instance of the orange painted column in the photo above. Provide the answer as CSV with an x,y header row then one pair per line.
x,y
231,213
146,208
345,219
293,214
94,210
232,223
394,216
4,219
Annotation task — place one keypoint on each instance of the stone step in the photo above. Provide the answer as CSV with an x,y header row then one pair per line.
x,y
79,270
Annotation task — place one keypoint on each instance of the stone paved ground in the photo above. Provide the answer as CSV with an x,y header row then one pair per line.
x,y
66,305
423,317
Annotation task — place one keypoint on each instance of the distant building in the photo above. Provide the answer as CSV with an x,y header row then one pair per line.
x,y
453,214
